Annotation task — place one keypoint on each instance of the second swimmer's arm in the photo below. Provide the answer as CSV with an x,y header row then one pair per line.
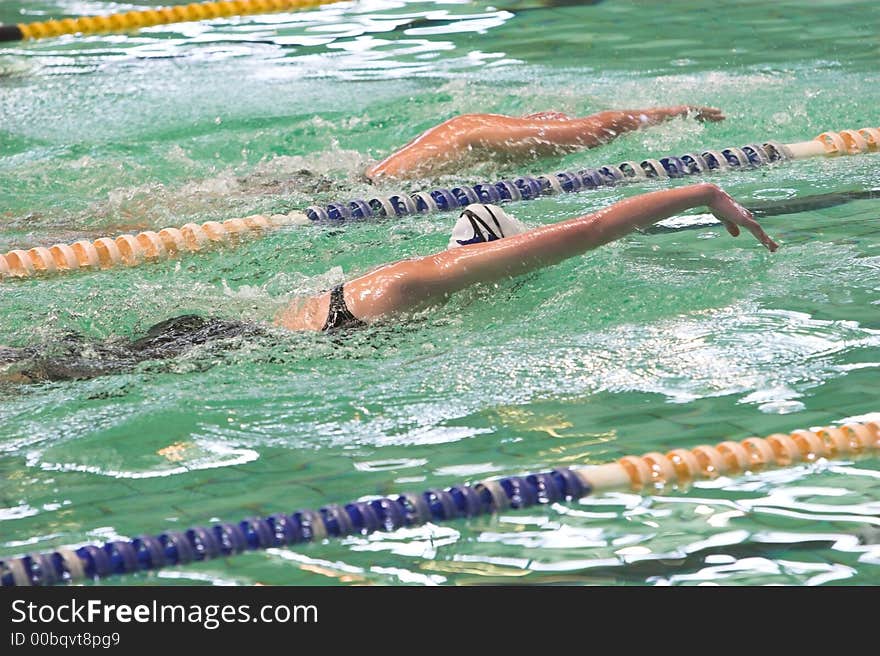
x,y
531,134
443,146
405,284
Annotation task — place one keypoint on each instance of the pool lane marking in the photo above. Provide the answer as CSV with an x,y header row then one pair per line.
x,y
645,474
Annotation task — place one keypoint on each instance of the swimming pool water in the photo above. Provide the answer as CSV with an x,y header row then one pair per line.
x,y
662,340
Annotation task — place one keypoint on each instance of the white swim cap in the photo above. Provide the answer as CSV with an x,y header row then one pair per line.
x,y
480,223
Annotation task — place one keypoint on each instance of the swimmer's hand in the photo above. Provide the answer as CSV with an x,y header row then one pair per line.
x,y
734,216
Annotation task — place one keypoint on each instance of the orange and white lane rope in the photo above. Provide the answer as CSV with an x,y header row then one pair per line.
x,y
132,250
730,458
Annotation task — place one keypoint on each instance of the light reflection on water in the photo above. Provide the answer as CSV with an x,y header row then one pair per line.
x,y
351,41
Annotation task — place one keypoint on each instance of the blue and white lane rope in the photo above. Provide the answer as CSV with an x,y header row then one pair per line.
x,y
844,142
528,187
646,472
149,552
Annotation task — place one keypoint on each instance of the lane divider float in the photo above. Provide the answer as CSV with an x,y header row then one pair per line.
x,y
647,473
132,250
133,20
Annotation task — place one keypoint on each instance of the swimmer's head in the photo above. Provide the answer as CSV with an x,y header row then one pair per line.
x,y
479,223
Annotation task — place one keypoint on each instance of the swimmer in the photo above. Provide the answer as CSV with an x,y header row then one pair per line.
x,y
487,245
469,138
476,137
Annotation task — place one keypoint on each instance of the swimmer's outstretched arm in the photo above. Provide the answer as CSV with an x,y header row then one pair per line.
x,y
444,146
406,284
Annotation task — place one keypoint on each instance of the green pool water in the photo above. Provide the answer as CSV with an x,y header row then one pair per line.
x,y
668,339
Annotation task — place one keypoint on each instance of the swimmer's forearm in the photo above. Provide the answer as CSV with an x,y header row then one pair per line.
x,y
455,269
516,133
513,135
635,118
605,126
621,218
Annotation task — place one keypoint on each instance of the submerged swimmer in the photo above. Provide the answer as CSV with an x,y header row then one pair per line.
x,y
487,245
446,147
